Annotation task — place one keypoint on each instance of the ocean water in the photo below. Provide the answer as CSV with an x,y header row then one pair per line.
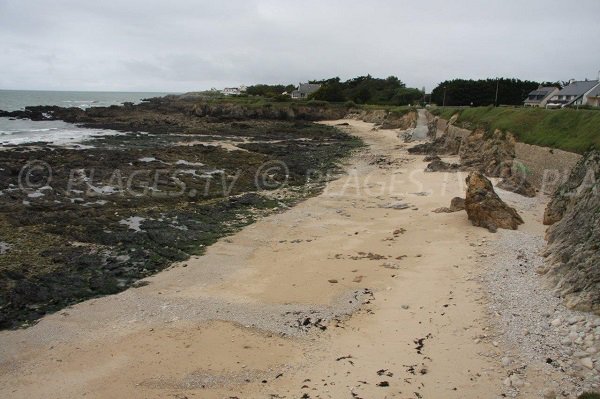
x,y
57,132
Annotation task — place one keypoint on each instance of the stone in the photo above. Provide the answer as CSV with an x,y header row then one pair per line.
x,y
517,183
556,322
456,204
484,207
438,165
573,238
587,363
549,393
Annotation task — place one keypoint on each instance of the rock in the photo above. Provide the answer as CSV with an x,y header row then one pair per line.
x,y
484,207
583,174
489,153
587,363
405,307
506,361
430,158
332,281
556,322
517,183
437,165
549,393
573,250
456,204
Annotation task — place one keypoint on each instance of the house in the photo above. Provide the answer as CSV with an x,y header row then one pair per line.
x,y
540,96
575,93
233,91
304,90
593,97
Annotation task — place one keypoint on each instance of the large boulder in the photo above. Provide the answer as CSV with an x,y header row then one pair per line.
x,y
573,250
485,208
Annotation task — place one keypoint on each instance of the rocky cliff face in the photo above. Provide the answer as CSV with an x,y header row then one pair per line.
x,y
573,250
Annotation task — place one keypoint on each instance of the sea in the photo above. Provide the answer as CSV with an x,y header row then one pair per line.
x,y
19,131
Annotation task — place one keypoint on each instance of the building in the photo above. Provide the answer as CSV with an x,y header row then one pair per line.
x,y
593,97
304,90
233,91
575,93
540,96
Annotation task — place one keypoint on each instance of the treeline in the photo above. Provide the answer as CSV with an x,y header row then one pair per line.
x,y
269,90
368,90
360,90
460,92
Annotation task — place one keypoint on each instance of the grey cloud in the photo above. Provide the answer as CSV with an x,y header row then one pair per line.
x,y
191,45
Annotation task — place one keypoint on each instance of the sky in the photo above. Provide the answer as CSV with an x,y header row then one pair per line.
x,y
190,45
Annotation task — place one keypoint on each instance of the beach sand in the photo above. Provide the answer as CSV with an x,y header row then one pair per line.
x,y
403,314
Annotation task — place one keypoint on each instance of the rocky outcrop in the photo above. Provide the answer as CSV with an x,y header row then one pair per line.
x,y
491,154
456,204
517,183
485,208
582,176
573,250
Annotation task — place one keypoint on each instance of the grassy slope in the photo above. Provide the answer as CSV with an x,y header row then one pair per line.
x,y
566,129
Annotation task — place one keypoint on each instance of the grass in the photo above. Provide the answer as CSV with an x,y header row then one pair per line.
x,y
567,129
259,101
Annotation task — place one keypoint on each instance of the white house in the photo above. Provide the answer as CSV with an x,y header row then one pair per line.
x,y
576,93
233,91
540,96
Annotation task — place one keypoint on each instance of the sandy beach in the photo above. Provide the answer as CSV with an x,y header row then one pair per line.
x,y
361,291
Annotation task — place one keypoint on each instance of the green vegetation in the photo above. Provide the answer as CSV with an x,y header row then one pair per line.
x,y
368,90
589,395
567,129
273,91
459,92
359,90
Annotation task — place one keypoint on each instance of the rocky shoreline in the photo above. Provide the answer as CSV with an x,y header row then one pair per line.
x,y
78,223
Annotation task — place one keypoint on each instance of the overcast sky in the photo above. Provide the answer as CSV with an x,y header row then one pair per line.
x,y
179,45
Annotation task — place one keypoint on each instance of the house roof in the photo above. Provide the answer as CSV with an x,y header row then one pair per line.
x,y
578,88
595,92
308,88
542,91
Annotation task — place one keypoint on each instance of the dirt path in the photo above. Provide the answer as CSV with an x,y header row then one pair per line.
x,y
267,311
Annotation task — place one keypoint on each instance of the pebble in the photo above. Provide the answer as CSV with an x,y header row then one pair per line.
x,y
556,322
505,361
405,306
549,393
587,363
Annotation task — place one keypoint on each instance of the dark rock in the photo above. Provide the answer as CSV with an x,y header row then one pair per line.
x,y
485,208
437,165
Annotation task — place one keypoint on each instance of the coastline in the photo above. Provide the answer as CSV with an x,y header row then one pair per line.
x,y
292,265
359,291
